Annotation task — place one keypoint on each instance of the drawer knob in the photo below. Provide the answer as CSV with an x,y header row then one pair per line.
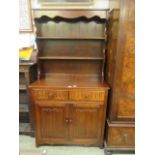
x,y
50,94
69,86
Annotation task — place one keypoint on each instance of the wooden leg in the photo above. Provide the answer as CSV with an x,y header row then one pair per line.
x,y
101,146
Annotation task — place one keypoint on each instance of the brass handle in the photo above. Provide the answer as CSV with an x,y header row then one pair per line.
x,y
70,121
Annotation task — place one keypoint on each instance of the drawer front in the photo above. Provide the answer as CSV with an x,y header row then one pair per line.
x,y
87,95
50,94
121,137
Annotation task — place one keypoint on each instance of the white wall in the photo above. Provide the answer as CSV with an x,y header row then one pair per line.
x,y
26,40
104,4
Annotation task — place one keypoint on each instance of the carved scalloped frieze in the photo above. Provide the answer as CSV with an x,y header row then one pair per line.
x,y
70,14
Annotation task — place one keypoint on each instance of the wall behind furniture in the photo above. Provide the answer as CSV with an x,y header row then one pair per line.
x,y
26,25
26,40
104,4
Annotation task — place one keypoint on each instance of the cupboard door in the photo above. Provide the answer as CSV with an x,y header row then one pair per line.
x,y
51,123
86,123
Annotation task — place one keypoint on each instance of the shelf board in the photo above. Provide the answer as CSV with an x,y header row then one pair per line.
x,y
71,38
69,58
22,87
23,108
24,128
65,80
24,63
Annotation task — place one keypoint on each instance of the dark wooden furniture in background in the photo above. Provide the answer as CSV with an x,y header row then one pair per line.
x,y
27,74
70,96
120,131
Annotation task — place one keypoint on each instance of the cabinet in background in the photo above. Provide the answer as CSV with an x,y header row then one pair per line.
x,y
120,75
27,75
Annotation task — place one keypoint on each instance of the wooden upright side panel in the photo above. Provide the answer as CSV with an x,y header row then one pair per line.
x,y
112,45
122,83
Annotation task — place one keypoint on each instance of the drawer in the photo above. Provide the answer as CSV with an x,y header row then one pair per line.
x,y
50,94
121,136
86,95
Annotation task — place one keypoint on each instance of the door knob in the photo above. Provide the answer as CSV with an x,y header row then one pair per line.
x,y
67,121
70,121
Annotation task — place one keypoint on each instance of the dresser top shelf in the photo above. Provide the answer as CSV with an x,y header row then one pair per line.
x,y
72,38
70,81
27,63
69,58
